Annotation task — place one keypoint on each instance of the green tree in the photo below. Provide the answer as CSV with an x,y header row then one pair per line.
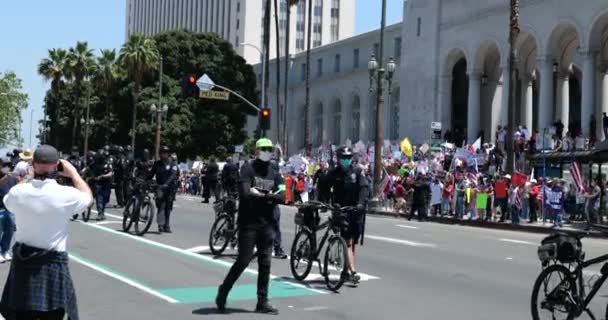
x,y
82,65
53,69
106,77
12,102
138,56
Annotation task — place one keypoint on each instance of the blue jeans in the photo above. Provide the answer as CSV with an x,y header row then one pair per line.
x,y
445,206
556,214
525,210
459,206
515,212
8,229
102,196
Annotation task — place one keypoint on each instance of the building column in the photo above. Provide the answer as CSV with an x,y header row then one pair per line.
x,y
528,102
501,114
445,102
604,93
588,100
474,106
563,85
545,112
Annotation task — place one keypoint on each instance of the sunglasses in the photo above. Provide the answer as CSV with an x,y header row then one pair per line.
x,y
267,149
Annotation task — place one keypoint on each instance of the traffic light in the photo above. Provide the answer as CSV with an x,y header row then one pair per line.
x,y
265,119
189,87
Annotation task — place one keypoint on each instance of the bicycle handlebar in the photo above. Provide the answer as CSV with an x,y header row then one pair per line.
x,y
321,205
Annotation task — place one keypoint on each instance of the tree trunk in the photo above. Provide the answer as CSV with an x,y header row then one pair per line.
x,y
278,63
134,127
107,100
76,114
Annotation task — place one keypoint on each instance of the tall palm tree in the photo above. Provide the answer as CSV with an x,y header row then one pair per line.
x,y
53,68
82,65
107,74
138,56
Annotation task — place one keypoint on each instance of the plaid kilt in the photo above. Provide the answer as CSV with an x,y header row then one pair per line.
x,y
38,280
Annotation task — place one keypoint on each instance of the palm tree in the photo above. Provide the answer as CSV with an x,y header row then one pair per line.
x,y
81,65
106,78
54,68
138,56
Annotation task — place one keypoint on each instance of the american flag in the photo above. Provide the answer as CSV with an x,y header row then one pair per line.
x,y
575,171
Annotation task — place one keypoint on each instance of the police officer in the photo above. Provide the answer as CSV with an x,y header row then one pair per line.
x,y
166,173
75,159
261,190
101,174
120,179
230,177
212,175
350,188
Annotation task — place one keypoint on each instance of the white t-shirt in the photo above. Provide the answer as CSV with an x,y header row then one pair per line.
x,y
22,168
42,211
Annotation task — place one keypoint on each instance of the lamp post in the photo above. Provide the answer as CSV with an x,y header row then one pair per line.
x,y
86,123
262,54
159,118
380,74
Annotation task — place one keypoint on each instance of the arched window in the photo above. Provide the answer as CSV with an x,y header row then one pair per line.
x,y
356,119
337,125
394,115
318,125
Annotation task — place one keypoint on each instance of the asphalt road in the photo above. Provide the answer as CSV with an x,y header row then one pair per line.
x,y
410,270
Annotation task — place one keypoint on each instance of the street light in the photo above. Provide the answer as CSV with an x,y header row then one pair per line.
x,y
159,118
262,54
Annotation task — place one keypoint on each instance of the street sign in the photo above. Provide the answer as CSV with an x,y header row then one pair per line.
x,y
436,125
205,83
215,95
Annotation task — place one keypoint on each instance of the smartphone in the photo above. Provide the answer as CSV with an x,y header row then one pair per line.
x,y
60,167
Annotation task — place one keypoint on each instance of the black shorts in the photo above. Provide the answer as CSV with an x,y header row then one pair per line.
x,y
355,226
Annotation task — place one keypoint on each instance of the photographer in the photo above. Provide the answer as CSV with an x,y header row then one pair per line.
x,y
39,285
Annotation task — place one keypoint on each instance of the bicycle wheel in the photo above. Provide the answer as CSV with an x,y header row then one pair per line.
x,y
551,295
301,255
220,235
127,213
334,266
86,214
145,217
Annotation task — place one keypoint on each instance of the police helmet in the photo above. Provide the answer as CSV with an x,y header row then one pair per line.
x,y
344,152
165,149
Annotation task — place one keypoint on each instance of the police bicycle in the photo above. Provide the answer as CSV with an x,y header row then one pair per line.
x,y
224,229
140,208
305,249
560,291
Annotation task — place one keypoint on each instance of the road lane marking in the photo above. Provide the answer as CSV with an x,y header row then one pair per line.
x,y
317,276
199,249
121,278
107,222
207,259
401,241
318,308
406,226
518,241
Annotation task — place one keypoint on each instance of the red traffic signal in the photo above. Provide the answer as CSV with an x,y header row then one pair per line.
x,y
265,119
189,87
192,79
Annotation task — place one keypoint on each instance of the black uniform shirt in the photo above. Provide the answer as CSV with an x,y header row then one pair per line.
x,y
254,210
166,174
100,169
349,187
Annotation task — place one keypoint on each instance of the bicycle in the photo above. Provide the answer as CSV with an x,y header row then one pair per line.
x,y
139,209
306,250
562,254
224,229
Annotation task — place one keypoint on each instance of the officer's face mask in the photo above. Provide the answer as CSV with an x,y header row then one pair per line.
x,y
345,163
265,156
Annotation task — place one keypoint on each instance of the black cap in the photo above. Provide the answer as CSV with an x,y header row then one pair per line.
x,y
165,149
46,154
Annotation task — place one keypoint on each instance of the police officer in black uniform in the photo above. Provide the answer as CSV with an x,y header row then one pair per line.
x,y
120,176
350,188
230,177
260,190
166,173
101,173
212,175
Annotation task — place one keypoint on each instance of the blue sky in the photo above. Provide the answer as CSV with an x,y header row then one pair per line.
x,y
30,27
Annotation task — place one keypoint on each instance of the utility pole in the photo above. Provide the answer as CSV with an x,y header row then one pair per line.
x,y
379,141
513,34
307,106
266,50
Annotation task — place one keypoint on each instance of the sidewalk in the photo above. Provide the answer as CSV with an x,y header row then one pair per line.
x,y
537,227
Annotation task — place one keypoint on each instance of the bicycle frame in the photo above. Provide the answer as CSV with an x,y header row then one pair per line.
x,y
318,246
596,286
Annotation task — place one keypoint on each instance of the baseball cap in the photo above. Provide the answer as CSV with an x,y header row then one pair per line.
x,y
46,154
263,143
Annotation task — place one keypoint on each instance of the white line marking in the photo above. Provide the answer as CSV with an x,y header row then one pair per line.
x,y
124,280
199,249
318,308
518,241
107,222
316,276
509,258
193,255
406,226
400,241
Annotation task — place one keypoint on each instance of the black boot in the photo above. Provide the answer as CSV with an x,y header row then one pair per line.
x,y
264,306
161,229
220,299
168,229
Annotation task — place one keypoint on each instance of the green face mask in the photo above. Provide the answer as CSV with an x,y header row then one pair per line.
x,y
345,163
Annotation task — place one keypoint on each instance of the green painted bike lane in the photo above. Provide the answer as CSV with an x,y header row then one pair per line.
x,y
167,272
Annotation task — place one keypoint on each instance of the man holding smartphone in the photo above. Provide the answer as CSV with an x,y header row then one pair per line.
x,y
39,285
261,190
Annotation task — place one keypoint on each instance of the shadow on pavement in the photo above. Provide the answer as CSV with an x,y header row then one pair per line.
x,y
210,310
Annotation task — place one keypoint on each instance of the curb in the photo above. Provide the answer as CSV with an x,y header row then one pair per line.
x,y
500,226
